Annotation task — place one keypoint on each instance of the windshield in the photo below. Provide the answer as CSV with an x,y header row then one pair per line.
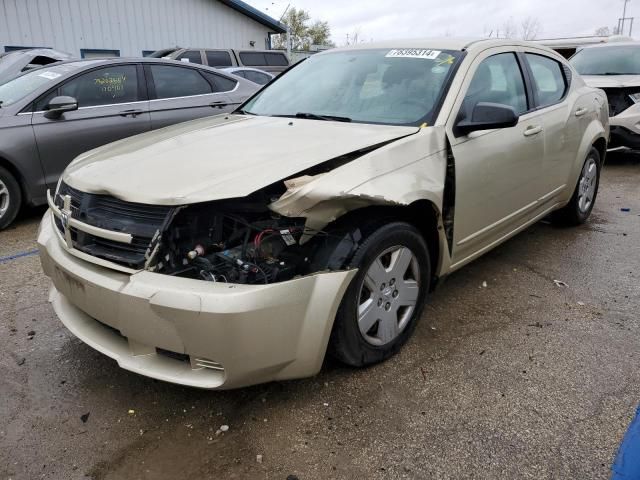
x,y
390,86
609,60
18,88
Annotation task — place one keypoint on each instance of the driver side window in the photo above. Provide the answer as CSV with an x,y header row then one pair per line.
x,y
498,79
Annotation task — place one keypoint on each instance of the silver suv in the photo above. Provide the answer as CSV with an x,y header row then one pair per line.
x,y
272,61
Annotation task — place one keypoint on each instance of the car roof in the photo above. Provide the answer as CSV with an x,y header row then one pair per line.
x,y
612,45
444,43
118,60
35,52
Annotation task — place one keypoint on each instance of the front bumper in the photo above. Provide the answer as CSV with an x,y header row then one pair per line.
x,y
623,137
625,128
192,332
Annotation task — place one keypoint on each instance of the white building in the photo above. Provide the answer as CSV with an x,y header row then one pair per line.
x,y
133,28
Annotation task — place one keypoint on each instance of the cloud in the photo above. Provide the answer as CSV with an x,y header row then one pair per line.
x,y
429,18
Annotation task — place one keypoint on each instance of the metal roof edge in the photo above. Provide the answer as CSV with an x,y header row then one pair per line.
x,y
256,15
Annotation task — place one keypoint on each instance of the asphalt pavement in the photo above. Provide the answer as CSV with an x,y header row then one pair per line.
x,y
522,378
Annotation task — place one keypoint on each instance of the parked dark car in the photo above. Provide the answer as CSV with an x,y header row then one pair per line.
x,y
50,115
15,62
272,61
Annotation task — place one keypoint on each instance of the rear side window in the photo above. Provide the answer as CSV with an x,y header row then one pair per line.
x,y
104,86
220,83
191,56
257,77
276,59
218,58
549,80
172,82
498,79
252,59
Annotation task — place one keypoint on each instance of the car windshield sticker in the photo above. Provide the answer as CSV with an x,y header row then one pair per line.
x,y
49,75
447,61
413,53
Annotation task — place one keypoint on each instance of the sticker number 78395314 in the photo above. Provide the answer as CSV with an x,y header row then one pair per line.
x,y
422,53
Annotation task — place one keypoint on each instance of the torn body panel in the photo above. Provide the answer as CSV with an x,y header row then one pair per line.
x,y
403,172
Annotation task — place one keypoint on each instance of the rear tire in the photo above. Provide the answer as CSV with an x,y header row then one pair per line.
x,y
577,211
10,198
384,301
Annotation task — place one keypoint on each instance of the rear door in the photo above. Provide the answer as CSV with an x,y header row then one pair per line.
x,y
112,104
562,121
180,93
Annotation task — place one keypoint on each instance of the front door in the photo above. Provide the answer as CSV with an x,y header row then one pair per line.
x,y
110,107
498,173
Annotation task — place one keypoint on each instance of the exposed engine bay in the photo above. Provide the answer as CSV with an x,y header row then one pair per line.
x,y
242,241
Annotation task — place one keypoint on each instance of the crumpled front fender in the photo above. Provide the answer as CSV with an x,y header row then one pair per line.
x,y
400,173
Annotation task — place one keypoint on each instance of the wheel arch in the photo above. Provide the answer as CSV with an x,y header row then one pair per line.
x,y
600,144
13,170
422,214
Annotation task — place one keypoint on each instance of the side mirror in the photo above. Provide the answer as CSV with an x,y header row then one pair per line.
x,y
487,116
58,105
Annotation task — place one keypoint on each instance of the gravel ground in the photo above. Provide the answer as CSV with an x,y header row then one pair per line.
x,y
518,379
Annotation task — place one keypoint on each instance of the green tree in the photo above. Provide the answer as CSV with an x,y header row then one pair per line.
x,y
303,34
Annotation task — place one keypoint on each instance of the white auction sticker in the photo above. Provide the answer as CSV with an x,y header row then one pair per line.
x,y
414,53
49,75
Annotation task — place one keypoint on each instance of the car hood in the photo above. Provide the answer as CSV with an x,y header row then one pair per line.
x,y
218,157
612,81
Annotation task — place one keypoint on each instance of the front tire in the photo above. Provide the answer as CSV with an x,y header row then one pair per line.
x,y
384,301
577,211
10,198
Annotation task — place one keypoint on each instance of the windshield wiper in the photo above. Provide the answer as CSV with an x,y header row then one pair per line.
x,y
314,116
245,112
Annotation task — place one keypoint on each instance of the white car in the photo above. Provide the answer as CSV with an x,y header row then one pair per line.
x,y
239,249
615,68
252,74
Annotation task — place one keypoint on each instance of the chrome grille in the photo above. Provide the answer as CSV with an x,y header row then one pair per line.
x,y
140,220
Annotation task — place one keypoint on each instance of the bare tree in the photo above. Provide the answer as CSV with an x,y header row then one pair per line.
x,y
602,32
508,30
530,28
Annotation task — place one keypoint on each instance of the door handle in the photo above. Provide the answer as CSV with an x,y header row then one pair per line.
x,y
531,130
581,111
219,104
133,112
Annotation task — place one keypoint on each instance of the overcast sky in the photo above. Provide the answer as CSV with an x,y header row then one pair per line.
x,y
381,20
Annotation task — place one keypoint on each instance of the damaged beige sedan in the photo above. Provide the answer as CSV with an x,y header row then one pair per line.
x,y
240,249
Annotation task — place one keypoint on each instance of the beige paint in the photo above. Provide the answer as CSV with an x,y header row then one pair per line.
x,y
212,159
255,333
